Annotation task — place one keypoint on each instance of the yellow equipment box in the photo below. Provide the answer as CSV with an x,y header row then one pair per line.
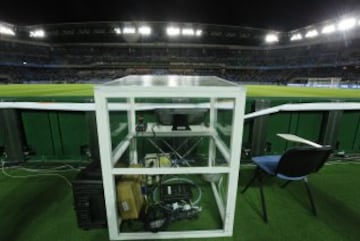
x,y
130,199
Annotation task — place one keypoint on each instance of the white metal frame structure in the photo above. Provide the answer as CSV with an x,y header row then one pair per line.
x,y
170,86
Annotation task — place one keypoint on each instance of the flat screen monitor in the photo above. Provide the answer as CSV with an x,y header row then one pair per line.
x,y
181,119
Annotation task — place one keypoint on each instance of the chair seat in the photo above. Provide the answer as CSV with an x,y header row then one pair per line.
x,y
269,164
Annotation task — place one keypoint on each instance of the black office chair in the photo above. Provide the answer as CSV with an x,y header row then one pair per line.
x,y
294,165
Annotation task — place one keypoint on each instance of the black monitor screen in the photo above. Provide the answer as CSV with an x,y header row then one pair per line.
x,y
180,119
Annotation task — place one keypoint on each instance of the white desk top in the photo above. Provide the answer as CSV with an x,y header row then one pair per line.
x,y
294,138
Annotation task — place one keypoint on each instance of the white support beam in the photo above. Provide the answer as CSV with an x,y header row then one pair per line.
x,y
219,201
225,151
169,170
121,148
173,235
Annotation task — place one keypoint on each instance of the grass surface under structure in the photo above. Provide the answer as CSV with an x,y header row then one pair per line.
x,y
20,90
41,208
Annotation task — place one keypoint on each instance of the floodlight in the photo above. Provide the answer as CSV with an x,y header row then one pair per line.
x,y
117,30
346,24
328,29
144,30
173,31
129,30
188,31
37,33
311,33
24,63
198,32
296,36
271,38
6,30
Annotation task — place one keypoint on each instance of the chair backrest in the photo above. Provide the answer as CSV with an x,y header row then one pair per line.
x,y
301,161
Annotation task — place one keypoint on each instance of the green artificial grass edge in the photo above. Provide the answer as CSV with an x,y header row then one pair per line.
x,y
42,209
37,90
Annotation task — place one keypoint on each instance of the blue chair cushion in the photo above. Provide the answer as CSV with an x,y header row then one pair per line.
x,y
269,164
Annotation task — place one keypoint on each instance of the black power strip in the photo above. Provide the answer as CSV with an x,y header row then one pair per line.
x,y
176,192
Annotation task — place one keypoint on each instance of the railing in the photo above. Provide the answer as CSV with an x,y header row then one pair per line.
x,y
51,131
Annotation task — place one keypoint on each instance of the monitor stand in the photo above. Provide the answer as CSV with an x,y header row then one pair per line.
x,y
180,122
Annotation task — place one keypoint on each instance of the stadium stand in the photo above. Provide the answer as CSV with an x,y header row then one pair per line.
x,y
92,52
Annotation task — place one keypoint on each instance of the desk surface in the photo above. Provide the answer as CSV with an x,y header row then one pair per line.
x,y
294,138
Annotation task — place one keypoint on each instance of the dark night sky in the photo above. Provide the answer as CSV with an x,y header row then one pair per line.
x,y
277,15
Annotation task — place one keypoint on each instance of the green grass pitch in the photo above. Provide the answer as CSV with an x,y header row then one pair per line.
x,y
20,90
33,210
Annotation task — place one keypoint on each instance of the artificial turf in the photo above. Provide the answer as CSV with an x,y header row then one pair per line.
x,y
20,90
39,209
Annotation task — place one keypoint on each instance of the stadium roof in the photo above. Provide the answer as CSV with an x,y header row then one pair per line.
x,y
282,15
